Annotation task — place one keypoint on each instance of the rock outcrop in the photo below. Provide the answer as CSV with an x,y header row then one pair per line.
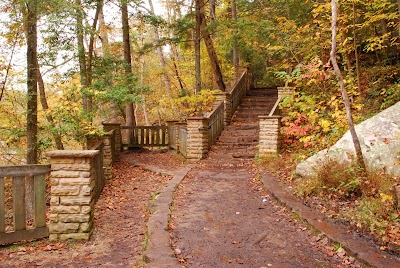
x,y
380,143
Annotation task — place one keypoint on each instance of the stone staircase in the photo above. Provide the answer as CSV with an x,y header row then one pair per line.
x,y
240,138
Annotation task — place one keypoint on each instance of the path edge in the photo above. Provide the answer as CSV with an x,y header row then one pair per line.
x,y
352,242
158,252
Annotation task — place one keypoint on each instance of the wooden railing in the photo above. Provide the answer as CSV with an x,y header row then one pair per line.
x,y
183,141
216,123
238,91
275,110
14,224
99,170
145,136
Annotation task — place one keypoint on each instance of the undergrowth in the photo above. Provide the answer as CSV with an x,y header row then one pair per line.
x,y
367,201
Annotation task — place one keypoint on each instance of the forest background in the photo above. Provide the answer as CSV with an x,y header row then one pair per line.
x,y
154,67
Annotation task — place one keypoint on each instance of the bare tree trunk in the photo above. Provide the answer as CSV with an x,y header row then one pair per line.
x,y
112,106
210,48
3,87
356,142
31,41
45,106
235,51
89,69
197,53
144,106
129,110
177,73
103,33
81,51
213,6
398,11
356,50
31,115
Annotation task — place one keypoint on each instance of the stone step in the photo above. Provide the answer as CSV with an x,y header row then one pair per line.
x,y
245,153
239,133
262,92
239,140
259,99
244,144
247,120
224,149
241,116
237,126
256,109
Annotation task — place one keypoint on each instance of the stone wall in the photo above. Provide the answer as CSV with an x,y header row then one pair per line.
x,y
270,137
71,203
197,138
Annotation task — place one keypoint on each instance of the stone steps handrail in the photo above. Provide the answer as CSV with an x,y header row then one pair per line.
x,y
215,123
275,110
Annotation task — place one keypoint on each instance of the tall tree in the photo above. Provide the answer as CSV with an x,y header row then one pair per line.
x,y
45,106
235,51
197,46
345,97
210,47
129,110
81,52
32,81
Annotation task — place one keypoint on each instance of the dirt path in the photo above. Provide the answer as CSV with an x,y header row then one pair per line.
x,y
220,221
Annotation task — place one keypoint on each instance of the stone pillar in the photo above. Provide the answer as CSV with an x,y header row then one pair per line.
x,y
71,196
285,91
117,135
226,98
270,137
197,138
108,155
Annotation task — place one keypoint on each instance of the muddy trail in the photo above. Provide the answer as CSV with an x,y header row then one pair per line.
x,y
222,217
217,219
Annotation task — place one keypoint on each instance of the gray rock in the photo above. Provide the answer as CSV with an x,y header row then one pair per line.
x,y
380,143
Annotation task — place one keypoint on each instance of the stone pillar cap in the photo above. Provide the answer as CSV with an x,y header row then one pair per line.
x,y
72,153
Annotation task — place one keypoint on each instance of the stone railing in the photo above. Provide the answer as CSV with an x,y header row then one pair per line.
x,y
77,178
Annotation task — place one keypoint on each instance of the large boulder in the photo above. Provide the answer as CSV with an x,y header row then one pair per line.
x,y
380,143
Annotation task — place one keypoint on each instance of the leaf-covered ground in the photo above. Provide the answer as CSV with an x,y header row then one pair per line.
x,y
121,215
120,222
